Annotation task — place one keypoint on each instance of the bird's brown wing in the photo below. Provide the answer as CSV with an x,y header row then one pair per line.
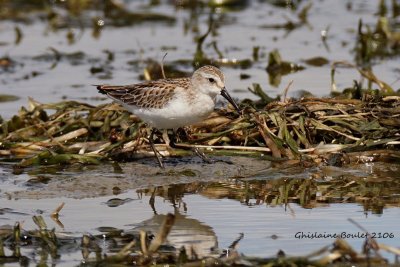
x,y
153,94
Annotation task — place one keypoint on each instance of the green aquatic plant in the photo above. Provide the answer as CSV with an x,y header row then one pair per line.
x,y
76,132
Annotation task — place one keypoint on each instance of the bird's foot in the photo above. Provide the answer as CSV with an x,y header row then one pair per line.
x,y
203,156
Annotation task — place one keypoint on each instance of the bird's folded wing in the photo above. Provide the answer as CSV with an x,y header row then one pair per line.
x,y
154,94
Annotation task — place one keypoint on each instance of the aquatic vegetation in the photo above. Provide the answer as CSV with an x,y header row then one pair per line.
x,y
124,248
290,129
277,68
383,41
8,98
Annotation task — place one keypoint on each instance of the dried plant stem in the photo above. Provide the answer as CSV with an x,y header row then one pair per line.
x,y
56,212
162,66
67,136
162,234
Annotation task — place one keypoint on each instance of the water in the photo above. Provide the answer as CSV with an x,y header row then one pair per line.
x,y
213,207
208,222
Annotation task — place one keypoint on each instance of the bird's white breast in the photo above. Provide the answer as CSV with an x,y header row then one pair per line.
x,y
183,109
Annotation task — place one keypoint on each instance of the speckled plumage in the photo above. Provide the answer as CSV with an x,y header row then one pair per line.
x,y
152,94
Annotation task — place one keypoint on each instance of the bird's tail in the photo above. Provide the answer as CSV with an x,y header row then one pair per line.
x,y
105,89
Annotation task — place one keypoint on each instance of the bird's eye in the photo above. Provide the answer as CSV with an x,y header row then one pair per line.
x,y
211,80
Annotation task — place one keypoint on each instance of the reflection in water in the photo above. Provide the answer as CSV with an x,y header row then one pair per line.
x,y
209,216
198,239
316,188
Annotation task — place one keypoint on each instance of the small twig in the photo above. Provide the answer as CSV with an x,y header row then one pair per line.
x,y
67,136
143,244
126,250
204,36
152,201
162,66
56,212
322,126
286,91
368,74
370,242
220,55
390,249
333,83
242,148
263,129
236,241
162,234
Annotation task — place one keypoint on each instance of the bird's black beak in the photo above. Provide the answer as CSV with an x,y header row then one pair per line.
x,y
225,94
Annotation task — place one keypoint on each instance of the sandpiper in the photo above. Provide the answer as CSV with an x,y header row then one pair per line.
x,y
172,103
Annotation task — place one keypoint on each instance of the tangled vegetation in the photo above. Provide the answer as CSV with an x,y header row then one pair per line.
x,y
302,129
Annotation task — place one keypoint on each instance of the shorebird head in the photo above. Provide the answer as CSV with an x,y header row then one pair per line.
x,y
211,81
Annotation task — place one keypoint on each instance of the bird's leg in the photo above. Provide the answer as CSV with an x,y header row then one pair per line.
x,y
200,154
166,137
156,153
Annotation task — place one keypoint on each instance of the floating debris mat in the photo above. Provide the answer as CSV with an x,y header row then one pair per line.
x,y
307,128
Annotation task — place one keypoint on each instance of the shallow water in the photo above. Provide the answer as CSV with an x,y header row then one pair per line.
x,y
213,207
209,222
213,203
